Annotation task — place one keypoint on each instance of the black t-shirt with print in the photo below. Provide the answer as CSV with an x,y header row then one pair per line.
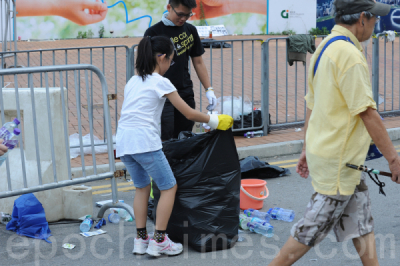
x,y
187,44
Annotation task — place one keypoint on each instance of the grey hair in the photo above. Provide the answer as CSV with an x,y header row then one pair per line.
x,y
351,18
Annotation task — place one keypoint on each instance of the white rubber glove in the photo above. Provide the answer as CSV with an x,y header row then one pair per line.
x,y
205,125
214,121
212,100
220,122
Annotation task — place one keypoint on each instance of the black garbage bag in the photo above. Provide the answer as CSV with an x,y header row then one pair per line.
x,y
207,171
247,122
252,167
210,42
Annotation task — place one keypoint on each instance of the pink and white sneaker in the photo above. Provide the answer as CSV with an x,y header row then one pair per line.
x,y
140,246
167,247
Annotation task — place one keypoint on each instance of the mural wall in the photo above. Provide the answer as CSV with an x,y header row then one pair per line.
x,y
63,19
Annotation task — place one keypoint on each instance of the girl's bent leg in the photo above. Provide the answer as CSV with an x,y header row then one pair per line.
x,y
141,180
140,206
164,208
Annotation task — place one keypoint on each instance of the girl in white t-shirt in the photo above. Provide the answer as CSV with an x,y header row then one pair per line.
x,y
138,141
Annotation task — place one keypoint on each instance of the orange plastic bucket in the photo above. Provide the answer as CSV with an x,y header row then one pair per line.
x,y
253,192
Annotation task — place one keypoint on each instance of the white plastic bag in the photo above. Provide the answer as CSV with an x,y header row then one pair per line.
x,y
237,106
390,36
74,141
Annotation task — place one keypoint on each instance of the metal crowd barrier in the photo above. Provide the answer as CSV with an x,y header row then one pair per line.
x,y
115,62
42,160
385,74
235,71
285,85
252,69
8,26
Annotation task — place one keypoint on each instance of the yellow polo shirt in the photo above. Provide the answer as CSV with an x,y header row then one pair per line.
x,y
336,135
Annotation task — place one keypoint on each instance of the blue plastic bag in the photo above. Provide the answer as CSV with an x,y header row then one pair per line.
x,y
29,219
373,153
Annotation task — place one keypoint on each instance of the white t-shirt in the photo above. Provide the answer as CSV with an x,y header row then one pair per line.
x,y
139,128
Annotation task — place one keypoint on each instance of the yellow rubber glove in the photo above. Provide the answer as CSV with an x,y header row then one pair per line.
x,y
220,122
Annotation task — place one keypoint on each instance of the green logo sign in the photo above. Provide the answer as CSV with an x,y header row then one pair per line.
x,y
285,14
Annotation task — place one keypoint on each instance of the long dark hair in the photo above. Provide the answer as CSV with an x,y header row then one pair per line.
x,y
148,49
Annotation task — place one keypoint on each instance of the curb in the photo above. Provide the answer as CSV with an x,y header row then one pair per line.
x,y
271,150
290,147
103,168
264,150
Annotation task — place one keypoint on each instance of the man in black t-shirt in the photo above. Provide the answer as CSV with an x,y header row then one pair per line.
x,y
187,44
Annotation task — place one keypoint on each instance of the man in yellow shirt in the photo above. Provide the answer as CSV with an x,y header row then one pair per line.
x,y
341,119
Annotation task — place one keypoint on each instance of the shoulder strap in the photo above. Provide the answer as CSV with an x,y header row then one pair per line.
x,y
334,39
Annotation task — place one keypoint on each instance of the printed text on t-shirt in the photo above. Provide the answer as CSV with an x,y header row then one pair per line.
x,y
183,43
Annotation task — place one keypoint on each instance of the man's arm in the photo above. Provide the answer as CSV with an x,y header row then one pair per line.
x,y
201,71
379,135
302,167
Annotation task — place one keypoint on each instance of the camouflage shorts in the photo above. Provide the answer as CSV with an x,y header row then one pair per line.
x,y
349,216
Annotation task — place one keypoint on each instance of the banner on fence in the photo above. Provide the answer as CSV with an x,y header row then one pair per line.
x,y
325,16
291,15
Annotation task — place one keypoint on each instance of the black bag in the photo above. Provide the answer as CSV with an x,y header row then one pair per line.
x,y
209,42
207,171
252,167
247,122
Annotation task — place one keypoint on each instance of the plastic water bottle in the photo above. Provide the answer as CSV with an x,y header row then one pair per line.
x,y
262,229
7,129
254,134
281,214
129,218
114,218
10,142
123,213
86,225
244,220
255,213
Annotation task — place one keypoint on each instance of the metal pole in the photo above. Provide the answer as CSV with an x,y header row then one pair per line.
x,y
375,70
15,25
276,81
1,28
265,86
6,27
384,80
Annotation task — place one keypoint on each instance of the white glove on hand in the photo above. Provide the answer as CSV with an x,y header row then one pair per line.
x,y
205,125
220,122
212,100
214,121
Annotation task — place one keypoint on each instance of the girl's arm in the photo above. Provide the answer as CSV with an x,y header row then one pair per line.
x,y
185,109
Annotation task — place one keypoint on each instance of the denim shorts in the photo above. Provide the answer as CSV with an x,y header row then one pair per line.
x,y
143,165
